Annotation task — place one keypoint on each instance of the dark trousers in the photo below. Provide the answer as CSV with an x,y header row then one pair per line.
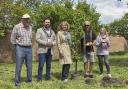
x,y
44,57
23,53
100,60
65,71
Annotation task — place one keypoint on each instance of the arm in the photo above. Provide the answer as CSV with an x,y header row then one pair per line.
x,y
38,38
98,42
82,44
93,39
108,41
54,39
13,35
59,43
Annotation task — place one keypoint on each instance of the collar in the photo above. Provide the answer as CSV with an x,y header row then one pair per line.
x,y
46,28
21,24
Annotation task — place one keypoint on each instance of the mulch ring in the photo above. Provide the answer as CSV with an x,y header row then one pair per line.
x,y
109,82
90,81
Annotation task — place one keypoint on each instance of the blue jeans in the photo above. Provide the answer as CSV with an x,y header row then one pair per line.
x,y
42,58
23,53
100,60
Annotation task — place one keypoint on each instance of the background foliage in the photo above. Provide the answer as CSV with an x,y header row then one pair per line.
x,y
57,10
120,27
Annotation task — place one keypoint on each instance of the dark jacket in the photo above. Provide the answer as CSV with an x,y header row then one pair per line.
x,y
88,37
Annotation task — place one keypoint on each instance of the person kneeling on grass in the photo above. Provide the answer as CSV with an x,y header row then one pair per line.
x,y
102,43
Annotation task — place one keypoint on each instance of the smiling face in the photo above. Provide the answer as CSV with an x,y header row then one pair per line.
x,y
47,23
64,26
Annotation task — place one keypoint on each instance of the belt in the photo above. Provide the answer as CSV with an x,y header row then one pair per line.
x,y
24,46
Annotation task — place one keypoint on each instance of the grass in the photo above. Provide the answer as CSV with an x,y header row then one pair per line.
x,y
119,69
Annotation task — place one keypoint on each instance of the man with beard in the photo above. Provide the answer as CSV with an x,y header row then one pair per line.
x,y
46,39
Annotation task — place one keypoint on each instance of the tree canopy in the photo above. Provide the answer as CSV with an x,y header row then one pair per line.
x,y
120,27
57,10
11,12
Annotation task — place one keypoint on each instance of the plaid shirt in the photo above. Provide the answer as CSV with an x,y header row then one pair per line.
x,y
21,35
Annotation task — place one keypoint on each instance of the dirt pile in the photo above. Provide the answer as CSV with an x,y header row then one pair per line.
x,y
108,82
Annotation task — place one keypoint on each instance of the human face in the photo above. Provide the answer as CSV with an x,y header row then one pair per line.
x,y
87,27
64,27
103,31
47,23
26,22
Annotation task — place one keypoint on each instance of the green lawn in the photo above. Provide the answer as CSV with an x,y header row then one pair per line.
x,y
119,69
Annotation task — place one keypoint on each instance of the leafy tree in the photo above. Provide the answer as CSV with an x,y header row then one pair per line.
x,y
10,14
120,27
57,10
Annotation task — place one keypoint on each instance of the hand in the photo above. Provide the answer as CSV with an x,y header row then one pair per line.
x,y
90,43
14,46
105,40
49,44
61,55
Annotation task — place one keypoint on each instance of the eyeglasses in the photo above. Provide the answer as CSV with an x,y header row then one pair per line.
x,y
87,25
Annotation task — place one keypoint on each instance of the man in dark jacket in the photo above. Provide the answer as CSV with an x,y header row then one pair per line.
x,y
87,43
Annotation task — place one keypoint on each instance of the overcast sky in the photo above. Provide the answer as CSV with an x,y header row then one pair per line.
x,y
110,9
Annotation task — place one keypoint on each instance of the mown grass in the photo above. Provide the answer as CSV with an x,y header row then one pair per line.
x,y
119,69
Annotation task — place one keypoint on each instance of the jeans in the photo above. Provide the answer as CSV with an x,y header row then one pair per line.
x,y
23,53
65,71
42,58
100,59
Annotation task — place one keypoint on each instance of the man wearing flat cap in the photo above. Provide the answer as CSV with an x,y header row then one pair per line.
x,y
87,43
21,38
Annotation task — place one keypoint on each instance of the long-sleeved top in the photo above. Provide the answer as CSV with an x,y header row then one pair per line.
x,y
64,42
102,43
43,36
21,35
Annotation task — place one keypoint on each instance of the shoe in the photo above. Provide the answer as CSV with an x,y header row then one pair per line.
x,y
109,75
65,80
86,75
90,75
39,80
47,79
28,81
102,75
17,84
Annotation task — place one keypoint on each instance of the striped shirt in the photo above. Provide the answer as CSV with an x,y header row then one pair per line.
x,y
21,35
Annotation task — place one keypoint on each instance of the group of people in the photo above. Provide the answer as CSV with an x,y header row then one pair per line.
x,y
102,43
21,38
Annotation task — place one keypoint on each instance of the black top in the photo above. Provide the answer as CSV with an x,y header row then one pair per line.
x,y
88,37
